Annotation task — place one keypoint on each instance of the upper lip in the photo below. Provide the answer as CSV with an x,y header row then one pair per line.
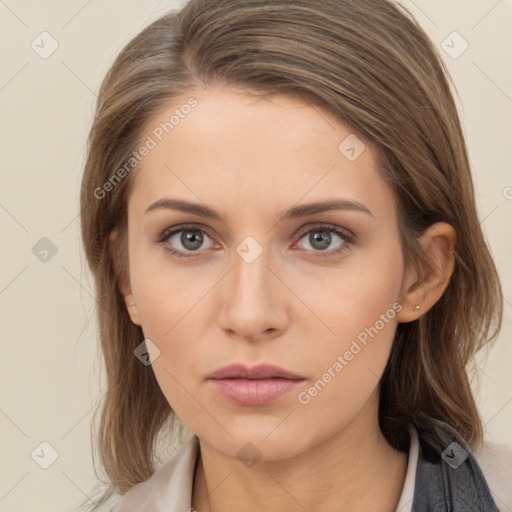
x,y
261,371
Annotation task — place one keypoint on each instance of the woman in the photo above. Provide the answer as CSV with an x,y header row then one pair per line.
x,y
278,211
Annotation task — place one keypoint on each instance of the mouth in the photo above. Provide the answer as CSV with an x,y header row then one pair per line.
x,y
259,385
259,372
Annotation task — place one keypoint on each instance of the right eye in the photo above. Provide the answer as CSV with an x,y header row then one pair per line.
x,y
183,241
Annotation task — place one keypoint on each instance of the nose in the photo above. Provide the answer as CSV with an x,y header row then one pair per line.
x,y
255,302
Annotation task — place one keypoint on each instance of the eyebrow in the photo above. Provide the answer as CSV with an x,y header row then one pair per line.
x,y
292,213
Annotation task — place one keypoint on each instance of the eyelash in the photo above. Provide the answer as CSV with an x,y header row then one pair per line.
x,y
344,234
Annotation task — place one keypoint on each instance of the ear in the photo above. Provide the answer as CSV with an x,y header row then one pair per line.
x,y
123,280
422,289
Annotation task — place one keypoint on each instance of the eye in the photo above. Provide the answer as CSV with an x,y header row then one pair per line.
x,y
187,240
322,237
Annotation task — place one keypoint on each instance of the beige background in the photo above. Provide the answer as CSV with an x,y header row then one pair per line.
x,y
49,358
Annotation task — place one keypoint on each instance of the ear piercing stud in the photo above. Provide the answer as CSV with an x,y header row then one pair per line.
x,y
417,307
132,303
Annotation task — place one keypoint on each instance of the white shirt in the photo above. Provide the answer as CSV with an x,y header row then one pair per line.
x,y
169,489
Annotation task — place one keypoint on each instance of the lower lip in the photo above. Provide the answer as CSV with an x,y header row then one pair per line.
x,y
255,392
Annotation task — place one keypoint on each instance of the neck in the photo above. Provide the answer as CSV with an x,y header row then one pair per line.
x,y
355,469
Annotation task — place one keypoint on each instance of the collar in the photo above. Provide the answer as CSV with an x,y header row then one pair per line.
x,y
431,483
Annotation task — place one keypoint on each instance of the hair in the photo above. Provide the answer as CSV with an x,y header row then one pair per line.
x,y
369,64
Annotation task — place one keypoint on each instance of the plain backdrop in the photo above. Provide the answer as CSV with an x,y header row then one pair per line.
x,y
50,361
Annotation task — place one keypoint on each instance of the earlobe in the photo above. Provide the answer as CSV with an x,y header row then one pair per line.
x,y
132,309
130,301
124,283
424,288
130,305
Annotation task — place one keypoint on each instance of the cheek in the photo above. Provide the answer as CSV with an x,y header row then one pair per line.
x,y
362,294
167,295
169,318
362,311
171,304
369,301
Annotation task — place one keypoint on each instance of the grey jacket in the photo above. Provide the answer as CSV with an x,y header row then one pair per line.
x,y
448,477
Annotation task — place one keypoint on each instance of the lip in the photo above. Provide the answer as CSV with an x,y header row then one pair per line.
x,y
257,385
260,371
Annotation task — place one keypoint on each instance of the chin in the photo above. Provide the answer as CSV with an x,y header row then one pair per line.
x,y
253,442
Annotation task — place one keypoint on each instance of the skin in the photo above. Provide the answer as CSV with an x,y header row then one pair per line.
x,y
251,158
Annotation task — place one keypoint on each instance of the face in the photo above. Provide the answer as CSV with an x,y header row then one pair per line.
x,y
267,279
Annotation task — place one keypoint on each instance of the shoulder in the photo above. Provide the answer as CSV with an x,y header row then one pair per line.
x,y
495,461
169,488
484,474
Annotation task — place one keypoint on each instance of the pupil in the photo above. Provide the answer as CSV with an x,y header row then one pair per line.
x,y
318,236
191,239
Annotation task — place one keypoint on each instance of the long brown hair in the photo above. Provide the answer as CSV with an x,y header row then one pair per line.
x,y
368,63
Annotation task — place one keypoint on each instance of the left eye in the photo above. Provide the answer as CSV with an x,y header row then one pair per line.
x,y
319,239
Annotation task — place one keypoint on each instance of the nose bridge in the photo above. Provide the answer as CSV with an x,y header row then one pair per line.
x,y
250,277
253,303
251,262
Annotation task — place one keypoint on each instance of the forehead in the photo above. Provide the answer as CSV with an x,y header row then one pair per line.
x,y
266,151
